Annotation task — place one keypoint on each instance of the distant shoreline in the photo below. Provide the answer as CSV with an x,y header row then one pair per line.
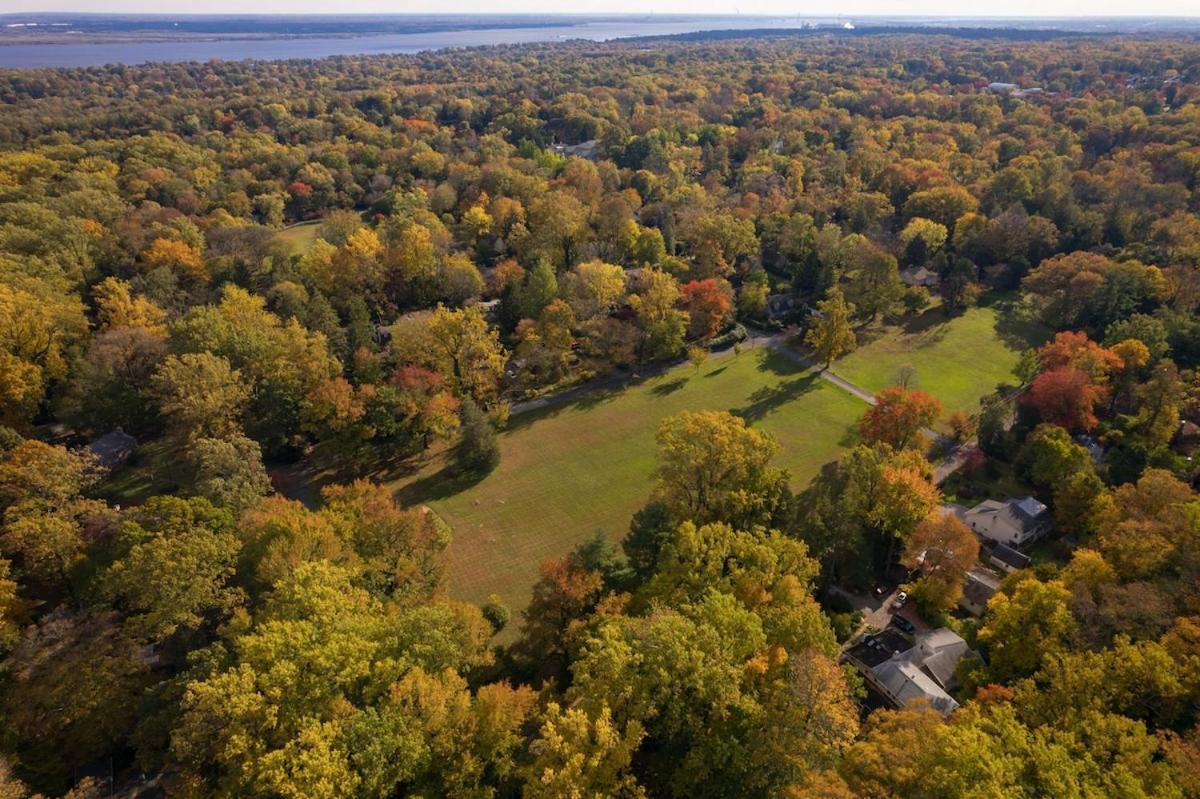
x,y
33,41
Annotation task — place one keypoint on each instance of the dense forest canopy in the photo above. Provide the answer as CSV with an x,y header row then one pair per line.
x,y
251,270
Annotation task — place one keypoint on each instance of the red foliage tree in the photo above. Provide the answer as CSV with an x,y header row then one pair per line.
x,y
709,304
1075,349
898,415
1067,397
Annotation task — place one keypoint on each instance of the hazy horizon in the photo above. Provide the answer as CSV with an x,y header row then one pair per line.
x,y
950,9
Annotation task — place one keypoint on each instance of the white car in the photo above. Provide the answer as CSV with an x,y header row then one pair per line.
x,y
899,601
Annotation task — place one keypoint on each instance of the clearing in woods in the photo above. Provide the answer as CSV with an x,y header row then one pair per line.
x,y
585,466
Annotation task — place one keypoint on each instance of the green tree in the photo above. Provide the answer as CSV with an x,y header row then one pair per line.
x,y
176,567
477,450
229,471
875,287
583,758
831,335
661,324
711,466
1026,626
200,396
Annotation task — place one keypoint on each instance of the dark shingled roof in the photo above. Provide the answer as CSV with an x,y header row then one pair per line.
x,y
875,649
1007,555
113,449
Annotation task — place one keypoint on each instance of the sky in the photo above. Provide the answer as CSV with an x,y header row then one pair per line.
x,y
802,8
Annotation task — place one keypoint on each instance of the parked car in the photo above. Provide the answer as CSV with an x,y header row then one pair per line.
x,y
899,601
880,591
903,624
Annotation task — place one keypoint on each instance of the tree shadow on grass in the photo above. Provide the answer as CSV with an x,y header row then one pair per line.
x,y
445,482
1018,333
585,401
769,398
670,387
716,372
778,364
850,437
930,319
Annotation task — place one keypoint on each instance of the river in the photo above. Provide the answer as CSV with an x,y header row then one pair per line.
x,y
90,54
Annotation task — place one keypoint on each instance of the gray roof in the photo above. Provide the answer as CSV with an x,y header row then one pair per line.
x,y
922,672
1009,556
908,684
980,587
113,448
1023,514
1027,507
939,652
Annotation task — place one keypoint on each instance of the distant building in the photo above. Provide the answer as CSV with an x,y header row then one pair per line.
x,y
589,149
920,276
1094,448
1015,522
981,585
781,306
905,674
1012,89
113,449
1187,438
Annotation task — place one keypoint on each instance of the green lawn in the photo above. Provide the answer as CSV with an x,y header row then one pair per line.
x,y
584,467
300,237
957,359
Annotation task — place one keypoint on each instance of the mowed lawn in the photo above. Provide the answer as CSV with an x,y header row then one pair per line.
x,y
586,466
957,359
299,237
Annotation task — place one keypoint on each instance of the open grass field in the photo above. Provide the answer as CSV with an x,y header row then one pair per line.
x,y
586,466
300,237
957,359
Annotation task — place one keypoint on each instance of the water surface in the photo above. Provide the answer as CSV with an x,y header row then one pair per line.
x,y
87,54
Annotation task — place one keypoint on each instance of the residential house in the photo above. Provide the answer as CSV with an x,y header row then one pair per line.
x,y
1094,447
1008,559
1014,522
980,586
113,449
589,149
920,276
904,674
781,306
1187,438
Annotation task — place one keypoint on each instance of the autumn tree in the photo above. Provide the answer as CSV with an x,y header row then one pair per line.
x,y
1067,397
712,466
459,345
565,592
175,568
86,672
831,335
898,416
942,550
708,303
578,756
661,324
1025,626
200,395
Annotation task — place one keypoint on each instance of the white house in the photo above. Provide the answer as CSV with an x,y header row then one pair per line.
x,y
1014,522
